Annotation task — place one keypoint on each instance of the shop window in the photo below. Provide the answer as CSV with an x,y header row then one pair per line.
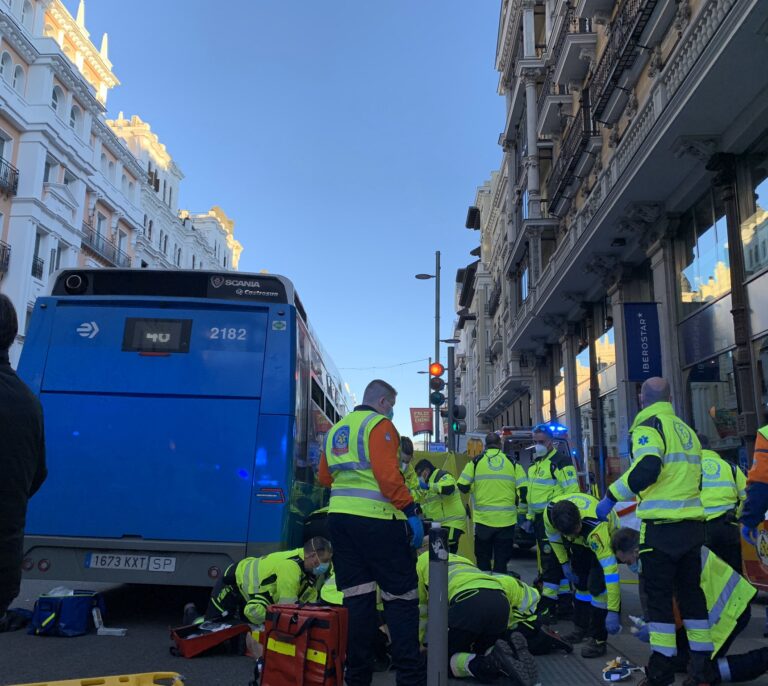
x,y
582,376
761,360
560,395
605,355
711,389
754,229
702,255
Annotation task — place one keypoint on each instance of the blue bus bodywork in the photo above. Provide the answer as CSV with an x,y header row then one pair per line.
x,y
170,427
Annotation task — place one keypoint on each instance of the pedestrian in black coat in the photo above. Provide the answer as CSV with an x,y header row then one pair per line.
x,y
22,462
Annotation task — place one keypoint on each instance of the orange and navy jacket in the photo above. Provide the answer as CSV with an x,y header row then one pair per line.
x,y
385,464
756,503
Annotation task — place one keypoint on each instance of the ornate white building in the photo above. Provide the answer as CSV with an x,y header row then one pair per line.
x,y
73,191
633,173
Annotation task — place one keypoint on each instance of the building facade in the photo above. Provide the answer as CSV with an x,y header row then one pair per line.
x,y
629,201
72,192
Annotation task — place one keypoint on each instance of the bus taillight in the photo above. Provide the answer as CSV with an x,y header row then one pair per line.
x,y
44,565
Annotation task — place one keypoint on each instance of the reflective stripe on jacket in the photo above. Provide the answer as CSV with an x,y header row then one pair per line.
x,y
549,477
723,486
493,488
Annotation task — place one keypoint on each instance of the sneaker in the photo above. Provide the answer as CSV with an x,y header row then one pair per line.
x,y
594,648
514,661
190,614
575,636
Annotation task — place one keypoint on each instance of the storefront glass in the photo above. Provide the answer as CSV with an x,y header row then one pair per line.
x,y
560,395
754,229
711,387
702,255
605,352
761,358
582,376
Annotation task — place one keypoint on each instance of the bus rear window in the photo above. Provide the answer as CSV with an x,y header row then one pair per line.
x,y
157,335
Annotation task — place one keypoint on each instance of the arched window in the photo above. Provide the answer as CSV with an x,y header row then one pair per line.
x,y
149,230
6,67
57,98
124,183
18,79
103,163
74,118
194,259
111,170
165,245
26,15
225,261
130,190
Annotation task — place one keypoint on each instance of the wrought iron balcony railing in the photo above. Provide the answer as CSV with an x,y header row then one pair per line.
x,y
550,88
38,266
620,52
104,247
9,178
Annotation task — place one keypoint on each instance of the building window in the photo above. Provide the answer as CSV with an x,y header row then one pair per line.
x,y
6,67
170,197
754,229
103,163
57,98
27,15
524,284
74,118
194,260
18,79
225,261
702,255
165,245
101,222
124,183
69,178
111,170
149,229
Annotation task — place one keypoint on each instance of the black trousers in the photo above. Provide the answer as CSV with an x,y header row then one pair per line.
x,y
226,599
477,618
369,552
588,614
721,536
494,544
549,568
454,535
670,555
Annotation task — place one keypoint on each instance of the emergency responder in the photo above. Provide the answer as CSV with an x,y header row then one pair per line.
x,y
491,480
756,503
441,502
551,474
728,596
478,617
665,477
248,588
374,524
522,480
582,545
723,489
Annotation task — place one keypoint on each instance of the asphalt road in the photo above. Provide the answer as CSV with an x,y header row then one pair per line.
x,y
148,612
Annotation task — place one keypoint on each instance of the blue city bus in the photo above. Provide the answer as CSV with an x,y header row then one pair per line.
x,y
184,417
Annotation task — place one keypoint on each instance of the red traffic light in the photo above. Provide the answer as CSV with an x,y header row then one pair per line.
x,y
436,369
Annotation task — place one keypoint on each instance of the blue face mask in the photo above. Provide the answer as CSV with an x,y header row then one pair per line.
x,y
322,568
391,413
635,567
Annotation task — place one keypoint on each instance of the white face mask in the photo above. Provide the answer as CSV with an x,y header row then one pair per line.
x,y
540,450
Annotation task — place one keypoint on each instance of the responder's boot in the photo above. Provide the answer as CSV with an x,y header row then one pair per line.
x,y
513,660
594,648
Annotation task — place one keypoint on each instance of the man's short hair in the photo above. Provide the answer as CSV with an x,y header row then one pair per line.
x,y
424,464
378,389
9,323
566,517
493,440
625,540
543,429
319,545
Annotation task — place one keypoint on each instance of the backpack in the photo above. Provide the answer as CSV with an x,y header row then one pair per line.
x,y
304,645
65,615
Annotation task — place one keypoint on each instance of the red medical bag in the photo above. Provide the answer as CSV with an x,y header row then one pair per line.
x,y
304,645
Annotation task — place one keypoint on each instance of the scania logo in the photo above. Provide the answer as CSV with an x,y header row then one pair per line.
x,y
217,281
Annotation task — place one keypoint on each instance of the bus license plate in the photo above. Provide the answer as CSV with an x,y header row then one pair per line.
x,y
139,563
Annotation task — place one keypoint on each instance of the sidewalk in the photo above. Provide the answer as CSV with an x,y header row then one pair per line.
x,y
574,670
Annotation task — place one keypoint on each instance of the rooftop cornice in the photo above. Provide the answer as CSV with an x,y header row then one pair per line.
x,y
17,37
115,146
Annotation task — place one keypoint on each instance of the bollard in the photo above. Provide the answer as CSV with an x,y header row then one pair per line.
x,y
437,621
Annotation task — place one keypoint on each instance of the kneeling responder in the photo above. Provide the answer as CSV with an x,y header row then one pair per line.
x,y
492,482
582,545
549,475
728,596
253,584
441,501
723,490
478,617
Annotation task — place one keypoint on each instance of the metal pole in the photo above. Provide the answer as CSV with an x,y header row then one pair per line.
x,y
437,607
437,335
451,400
429,404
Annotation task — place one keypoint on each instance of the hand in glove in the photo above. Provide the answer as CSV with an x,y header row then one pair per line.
x,y
569,574
643,633
415,524
423,484
527,526
749,534
613,623
604,508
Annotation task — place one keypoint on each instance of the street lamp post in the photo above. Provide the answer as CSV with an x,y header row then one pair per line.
x,y
436,277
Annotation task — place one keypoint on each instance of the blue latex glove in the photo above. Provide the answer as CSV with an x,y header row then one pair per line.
x,y
423,484
417,528
612,623
521,520
604,508
644,634
527,526
749,534
569,574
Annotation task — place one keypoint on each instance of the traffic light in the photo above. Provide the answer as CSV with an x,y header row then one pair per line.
x,y
458,425
436,383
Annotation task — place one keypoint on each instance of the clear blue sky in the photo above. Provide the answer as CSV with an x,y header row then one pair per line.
x,y
346,138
